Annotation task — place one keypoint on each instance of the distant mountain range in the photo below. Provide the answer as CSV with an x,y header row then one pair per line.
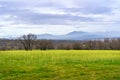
x,y
80,35
75,35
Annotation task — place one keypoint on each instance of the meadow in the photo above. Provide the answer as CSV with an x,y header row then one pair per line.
x,y
60,65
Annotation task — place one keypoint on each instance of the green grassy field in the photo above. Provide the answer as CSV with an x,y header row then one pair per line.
x,y
60,65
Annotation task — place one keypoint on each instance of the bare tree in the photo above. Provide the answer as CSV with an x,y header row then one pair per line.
x,y
28,41
45,44
76,46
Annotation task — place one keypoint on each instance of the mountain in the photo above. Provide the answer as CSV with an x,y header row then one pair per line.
x,y
76,35
76,32
80,35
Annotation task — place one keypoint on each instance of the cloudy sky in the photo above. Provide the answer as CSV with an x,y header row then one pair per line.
x,y
19,17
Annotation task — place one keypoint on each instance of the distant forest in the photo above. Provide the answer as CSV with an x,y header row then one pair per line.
x,y
30,42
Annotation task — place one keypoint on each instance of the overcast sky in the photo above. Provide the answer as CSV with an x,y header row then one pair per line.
x,y
19,17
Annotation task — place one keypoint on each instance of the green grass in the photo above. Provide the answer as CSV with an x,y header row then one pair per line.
x,y
60,65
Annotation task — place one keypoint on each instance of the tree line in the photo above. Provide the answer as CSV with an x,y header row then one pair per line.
x,y
30,42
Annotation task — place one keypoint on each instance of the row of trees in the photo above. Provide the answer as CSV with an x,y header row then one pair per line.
x,y
29,41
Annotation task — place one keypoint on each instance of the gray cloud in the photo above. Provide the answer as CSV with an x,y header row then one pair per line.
x,y
94,10
51,19
98,14
1,26
27,16
23,10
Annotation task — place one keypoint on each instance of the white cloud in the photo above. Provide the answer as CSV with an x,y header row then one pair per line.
x,y
6,20
46,10
17,30
52,16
